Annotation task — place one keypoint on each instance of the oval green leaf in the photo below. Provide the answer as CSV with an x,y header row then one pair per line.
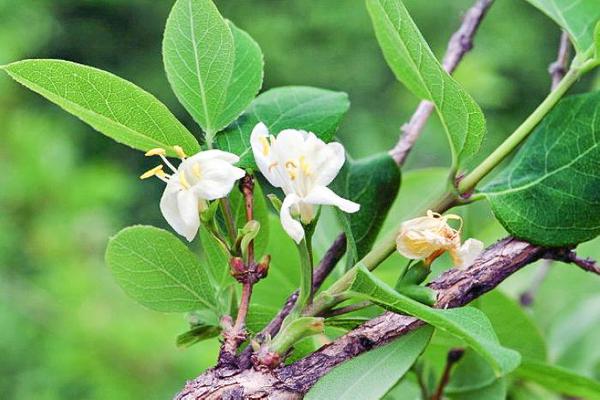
x,y
199,54
548,194
414,64
158,271
111,105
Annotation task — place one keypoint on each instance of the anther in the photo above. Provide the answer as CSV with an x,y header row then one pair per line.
x,y
156,152
180,153
156,171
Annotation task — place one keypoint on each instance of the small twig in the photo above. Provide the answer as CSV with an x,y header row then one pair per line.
x,y
569,256
347,309
454,356
228,214
559,68
329,261
460,43
247,272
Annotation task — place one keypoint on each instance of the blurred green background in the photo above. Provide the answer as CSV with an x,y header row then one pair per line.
x,y
66,329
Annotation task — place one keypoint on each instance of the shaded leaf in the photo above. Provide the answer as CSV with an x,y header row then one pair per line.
x,y
414,64
559,379
577,17
158,271
548,194
495,391
197,334
508,317
371,375
216,257
296,107
466,323
111,105
199,55
373,183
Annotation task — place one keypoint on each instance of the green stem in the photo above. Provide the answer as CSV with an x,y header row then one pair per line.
x,y
305,293
228,217
520,134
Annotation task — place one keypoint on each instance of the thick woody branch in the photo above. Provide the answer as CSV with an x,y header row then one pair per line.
x,y
460,43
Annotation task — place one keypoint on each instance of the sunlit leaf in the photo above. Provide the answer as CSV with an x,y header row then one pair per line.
x,y
199,55
157,270
577,17
414,64
111,105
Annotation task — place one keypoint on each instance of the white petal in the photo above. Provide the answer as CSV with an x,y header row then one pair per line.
x,y
325,196
212,155
290,225
217,179
262,153
169,206
469,251
332,158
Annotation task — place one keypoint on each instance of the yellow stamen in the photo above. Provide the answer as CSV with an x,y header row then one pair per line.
x,y
156,152
179,150
265,145
183,180
290,164
196,170
304,166
158,170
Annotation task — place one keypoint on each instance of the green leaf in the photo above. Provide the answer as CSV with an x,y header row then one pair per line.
x,y
216,257
549,193
508,317
371,375
297,107
597,41
495,391
199,55
373,183
577,17
246,79
261,214
259,316
111,105
559,379
158,271
466,323
197,334
414,64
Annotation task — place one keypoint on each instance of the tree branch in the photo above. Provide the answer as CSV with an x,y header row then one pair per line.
x,y
460,43
559,68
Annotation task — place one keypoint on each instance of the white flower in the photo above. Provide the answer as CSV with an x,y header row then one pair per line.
x,y
207,175
426,238
301,165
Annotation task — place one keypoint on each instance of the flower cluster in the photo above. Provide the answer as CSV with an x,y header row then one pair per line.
x,y
296,161
426,238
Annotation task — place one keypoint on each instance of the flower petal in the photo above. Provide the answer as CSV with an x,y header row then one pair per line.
x,y
213,154
468,252
171,207
328,162
290,225
261,148
325,196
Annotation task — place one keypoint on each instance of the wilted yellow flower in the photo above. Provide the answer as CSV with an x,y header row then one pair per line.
x,y
427,238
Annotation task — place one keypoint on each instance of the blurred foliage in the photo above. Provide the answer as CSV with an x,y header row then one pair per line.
x,y
66,329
